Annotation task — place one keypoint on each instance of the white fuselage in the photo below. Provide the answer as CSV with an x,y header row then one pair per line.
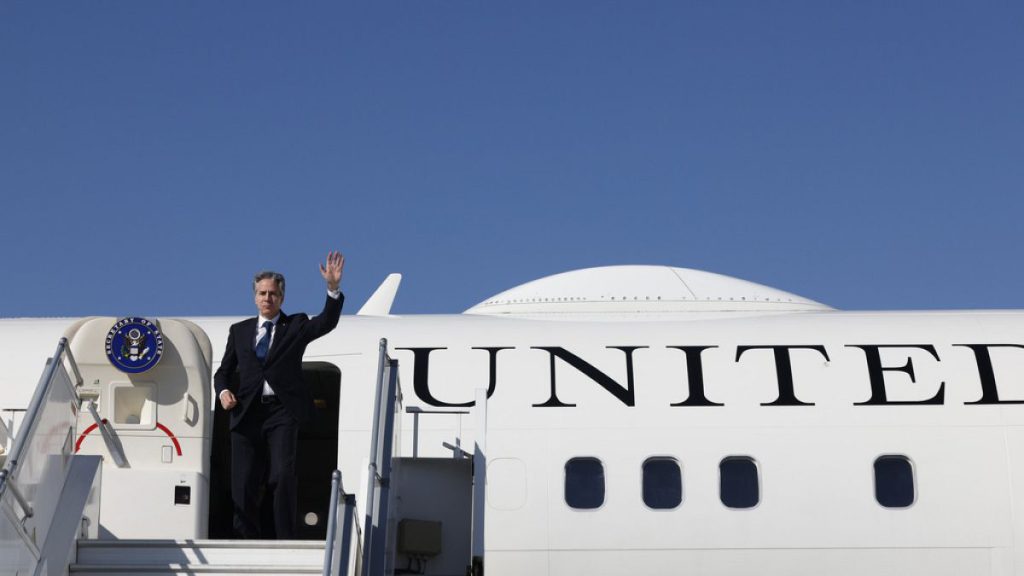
x,y
813,399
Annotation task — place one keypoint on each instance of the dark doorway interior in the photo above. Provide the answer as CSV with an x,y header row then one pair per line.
x,y
317,458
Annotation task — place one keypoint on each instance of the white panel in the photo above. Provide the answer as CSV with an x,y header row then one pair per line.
x,y
506,485
1015,453
154,415
140,504
747,562
44,464
814,494
438,490
520,563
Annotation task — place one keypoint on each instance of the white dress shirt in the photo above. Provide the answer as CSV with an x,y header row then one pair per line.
x,y
267,390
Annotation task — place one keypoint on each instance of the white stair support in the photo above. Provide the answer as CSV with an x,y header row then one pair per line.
x,y
60,539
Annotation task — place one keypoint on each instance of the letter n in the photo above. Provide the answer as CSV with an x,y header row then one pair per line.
x,y
624,394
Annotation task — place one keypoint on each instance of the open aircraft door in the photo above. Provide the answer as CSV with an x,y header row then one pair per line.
x,y
146,411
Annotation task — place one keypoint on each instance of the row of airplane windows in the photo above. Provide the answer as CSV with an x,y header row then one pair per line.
x,y
739,485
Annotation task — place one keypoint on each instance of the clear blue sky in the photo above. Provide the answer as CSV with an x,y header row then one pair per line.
x,y
153,155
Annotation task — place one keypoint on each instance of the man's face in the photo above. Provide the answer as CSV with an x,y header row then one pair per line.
x,y
268,298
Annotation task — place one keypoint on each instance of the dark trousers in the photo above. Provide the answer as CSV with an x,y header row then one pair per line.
x,y
264,444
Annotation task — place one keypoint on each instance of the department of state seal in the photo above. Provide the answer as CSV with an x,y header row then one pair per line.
x,y
134,345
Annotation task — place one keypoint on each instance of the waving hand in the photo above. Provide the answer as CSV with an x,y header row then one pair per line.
x,y
331,270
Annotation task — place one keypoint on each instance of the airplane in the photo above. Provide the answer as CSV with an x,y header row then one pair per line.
x,y
612,420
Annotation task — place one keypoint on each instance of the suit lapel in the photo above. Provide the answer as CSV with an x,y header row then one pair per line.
x,y
248,330
280,330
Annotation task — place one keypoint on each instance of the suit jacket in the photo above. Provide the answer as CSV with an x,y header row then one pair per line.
x,y
283,366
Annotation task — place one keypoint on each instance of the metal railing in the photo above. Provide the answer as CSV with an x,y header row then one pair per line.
x,y
376,555
108,435
338,555
55,388
31,419
378,486
479,484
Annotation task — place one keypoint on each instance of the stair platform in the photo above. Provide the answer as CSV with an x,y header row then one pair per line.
x,y
167,557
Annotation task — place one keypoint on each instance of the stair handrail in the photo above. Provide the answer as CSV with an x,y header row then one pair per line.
x,y
332,522
382,438
337,547
107,433
31,418
38,509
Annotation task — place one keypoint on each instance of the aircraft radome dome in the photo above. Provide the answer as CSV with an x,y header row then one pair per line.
x,y
640,290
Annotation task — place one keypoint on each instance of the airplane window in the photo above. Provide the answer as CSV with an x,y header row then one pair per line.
x,y
894,481
663,483
584,483
739,484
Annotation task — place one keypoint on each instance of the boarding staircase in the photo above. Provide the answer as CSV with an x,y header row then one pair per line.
x,y
44,503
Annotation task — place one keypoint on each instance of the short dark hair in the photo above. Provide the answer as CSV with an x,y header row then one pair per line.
x,y
276,277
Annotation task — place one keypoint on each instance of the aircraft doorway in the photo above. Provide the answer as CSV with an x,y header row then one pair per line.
x,y
316,459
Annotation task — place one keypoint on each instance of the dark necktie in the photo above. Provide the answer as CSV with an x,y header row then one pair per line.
x,y
264,344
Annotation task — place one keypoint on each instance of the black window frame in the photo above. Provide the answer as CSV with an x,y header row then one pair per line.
x,y
644,486
895,497
733,504
584,500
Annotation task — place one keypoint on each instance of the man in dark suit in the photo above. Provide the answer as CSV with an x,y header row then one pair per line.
x,y
271,401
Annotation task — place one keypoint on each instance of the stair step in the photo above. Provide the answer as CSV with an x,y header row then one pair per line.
x,y
259,556
186,569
